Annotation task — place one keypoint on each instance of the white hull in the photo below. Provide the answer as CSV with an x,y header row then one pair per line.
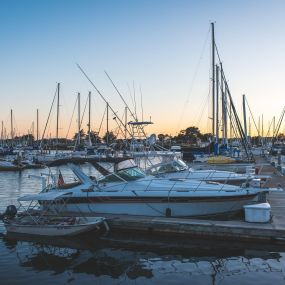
x,y
178,209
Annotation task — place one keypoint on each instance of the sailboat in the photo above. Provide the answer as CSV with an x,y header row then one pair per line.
x,y
48,158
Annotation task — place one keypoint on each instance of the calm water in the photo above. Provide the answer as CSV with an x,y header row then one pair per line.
x,y
115,259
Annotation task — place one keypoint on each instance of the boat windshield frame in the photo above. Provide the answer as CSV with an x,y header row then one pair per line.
x,y
176,165
125,175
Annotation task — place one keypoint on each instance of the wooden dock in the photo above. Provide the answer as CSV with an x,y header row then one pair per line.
x,y
232,230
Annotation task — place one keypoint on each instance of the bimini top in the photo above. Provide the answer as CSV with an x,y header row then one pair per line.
x,y
48,196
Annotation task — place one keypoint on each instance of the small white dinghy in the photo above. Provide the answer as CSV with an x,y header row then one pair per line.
x,y
34,221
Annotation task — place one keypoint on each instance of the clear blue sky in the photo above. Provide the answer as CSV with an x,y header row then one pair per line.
x,y
161,46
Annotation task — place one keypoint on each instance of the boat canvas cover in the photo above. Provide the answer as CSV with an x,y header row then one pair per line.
x,y
49,196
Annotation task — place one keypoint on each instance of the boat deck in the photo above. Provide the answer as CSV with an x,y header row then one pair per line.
x,y
234,229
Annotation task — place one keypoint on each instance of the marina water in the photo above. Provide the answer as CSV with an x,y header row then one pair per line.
x,y
128,259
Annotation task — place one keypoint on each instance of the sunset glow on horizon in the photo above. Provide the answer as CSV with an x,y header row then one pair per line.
x,y
156,52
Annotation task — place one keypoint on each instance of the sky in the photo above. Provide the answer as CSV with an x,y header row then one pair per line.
x,y
156,51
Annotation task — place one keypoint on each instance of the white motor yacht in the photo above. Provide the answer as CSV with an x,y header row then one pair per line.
x,y
129,191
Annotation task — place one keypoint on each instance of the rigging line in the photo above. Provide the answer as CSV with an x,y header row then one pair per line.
x,y
242,134
15,124
49,115
102,121
118,128
121,96
233,125
102,97
71,119
141,101
135,102
279,122
278,128
216,48
126,105
130,94
252,117
193,80
267,134
240,129
83,112
203,109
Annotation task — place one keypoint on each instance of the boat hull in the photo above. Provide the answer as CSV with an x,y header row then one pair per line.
x,y
158,207
52,230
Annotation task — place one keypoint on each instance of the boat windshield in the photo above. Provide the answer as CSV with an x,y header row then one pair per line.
x,y
131,174
173,166
128,174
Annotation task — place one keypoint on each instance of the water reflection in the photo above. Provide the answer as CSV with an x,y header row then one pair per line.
x,y
125,259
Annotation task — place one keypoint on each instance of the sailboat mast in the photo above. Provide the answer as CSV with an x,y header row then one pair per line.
x,y
244,115
273,130
107,134
57,114
12,132
262,134
213,80
224,107
2,133
89,117
37,125
33,129
78,118
217,104
126,121
223,104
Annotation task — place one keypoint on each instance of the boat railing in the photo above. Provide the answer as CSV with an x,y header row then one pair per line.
x,y
226,179
176,182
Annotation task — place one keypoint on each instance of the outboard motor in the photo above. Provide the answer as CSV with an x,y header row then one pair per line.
x,y
10,212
